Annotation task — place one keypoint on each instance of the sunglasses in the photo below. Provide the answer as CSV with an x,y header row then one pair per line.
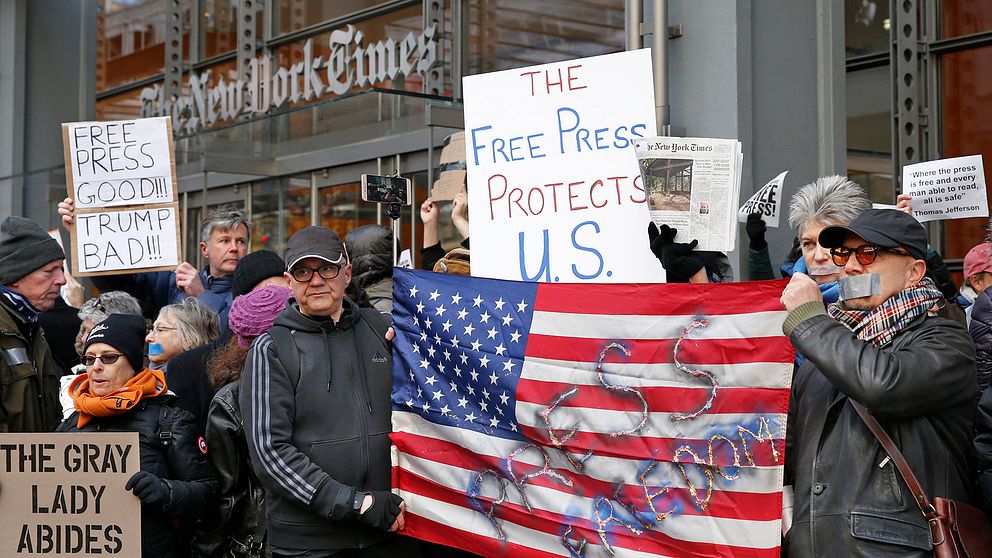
x,y
865,254
110,358
304,274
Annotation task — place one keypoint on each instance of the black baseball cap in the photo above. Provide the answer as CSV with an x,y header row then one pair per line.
x,y
886,228
315,242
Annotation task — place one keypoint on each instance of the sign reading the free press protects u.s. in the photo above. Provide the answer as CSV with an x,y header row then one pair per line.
x,y
554,188
121,176
63,495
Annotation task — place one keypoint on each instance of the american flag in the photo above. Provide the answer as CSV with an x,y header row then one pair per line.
x,y
551,419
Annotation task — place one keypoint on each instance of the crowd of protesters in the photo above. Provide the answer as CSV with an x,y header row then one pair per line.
x,y
261,384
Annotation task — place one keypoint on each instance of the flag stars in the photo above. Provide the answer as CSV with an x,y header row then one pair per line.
x,y
500,303
504,398
424,364
484,361
430,352
515,337
426,407
409,403
471,390
440,367
458,371
416,349
435,293
437,339
445,411
513,426
436,395
447,355
462,313
506,320
420,307
469,328
440,310
470,417
476,301
427,323
485,394
452,387
493,422
484,318
430,380
491,334
520,307
484,406
464,357
456,298
414,291
454,341
493,378
475,375
500,349
508,366
446,326
463,402
423,336
476,345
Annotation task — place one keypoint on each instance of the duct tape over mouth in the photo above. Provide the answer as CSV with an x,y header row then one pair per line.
x,y
859,286
819,270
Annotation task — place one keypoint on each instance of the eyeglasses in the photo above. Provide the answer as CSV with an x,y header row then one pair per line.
x,y
304,274
865,254
109,358
158,330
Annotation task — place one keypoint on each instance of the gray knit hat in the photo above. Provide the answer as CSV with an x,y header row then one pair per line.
x,y
24,247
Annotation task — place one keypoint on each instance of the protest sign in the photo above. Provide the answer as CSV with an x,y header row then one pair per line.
x,y
692,185
121,176
947,188
451,171
553,186
63,495
767,201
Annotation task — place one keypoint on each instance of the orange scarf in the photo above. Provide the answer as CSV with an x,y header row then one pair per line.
x,y
147,383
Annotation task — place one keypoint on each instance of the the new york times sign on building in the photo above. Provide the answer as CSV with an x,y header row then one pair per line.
x,y
350,64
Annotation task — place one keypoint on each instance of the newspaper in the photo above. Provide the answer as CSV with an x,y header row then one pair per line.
x,y
692,185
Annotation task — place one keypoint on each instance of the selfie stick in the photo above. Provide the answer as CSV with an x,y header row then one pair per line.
x,y
393,212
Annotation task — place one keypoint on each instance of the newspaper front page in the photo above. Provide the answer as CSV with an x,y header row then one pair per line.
x,y
692,185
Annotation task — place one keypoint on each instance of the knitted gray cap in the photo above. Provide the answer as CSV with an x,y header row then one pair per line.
x,y
25,247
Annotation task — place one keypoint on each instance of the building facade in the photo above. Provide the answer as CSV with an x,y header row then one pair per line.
x,y
279,106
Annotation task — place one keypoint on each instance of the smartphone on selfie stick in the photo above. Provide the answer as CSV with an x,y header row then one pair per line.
x,y
392,191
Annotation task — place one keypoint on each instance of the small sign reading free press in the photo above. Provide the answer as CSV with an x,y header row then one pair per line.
x,y
121,176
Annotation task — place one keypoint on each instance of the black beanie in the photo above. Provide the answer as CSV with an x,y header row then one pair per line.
x,y
24,247
124,332
255,268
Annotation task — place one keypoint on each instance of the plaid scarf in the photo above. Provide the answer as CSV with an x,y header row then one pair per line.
x,y
880,325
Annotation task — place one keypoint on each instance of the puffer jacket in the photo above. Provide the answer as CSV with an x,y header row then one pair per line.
x,y
849,498
29,377
980,329
175,454
317,423
983,447
236,526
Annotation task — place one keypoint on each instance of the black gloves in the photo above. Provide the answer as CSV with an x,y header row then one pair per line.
x,y
756,232
150,489
677,258
384,511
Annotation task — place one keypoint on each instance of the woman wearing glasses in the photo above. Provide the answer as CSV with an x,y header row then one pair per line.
x,y
175,481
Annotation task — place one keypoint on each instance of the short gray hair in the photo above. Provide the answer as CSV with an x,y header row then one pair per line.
x,y
828,200
113,302
225,219
195,323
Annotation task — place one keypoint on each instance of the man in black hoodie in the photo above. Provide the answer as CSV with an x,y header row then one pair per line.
x,y
315,399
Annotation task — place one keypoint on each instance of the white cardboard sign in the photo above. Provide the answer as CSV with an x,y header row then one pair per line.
x,y
127,239
947,188
554,188
767,201
120,163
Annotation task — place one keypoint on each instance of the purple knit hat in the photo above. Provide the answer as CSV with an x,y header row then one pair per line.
x,y
253,313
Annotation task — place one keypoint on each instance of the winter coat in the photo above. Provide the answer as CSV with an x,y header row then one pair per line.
x,y
175,453
236,526
849,498
317,423
983,447
29,377
980,329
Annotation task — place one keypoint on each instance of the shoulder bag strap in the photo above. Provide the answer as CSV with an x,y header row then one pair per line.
x,y
897,458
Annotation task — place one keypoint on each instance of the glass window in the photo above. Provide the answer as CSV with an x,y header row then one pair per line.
x,y
122,106
964,17
131,41
220,27
967,121
279,208
508,34
298,14
869,132
866,26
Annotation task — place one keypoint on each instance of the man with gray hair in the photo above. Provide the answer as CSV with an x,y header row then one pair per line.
x,y
224,238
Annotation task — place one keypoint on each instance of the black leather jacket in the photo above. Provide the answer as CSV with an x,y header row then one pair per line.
x,y
236,527
849,499
175,456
